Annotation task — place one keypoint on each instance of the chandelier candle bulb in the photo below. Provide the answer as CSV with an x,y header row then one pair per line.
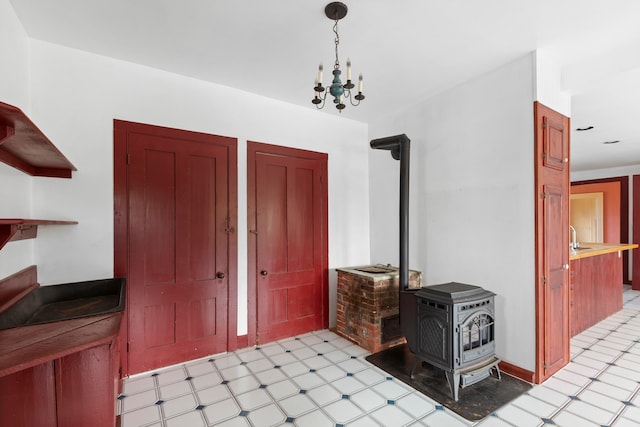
x,y
348,69
319,81
360,83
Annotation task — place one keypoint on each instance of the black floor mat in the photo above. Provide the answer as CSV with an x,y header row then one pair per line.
x,y
474,402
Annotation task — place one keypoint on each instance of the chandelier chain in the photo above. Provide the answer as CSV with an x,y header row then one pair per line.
x,y
336,65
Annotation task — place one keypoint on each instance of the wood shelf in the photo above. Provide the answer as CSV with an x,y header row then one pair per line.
x,y
24,147
12,229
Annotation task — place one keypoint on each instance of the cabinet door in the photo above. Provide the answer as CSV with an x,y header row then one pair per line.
x,y
85,388
27,398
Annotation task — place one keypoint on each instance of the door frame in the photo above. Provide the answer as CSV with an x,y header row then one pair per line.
x,y
121,129
252,245
624,215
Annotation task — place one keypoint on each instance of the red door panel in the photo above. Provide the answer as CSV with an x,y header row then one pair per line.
x,y
178,213
159,321
556,314
288,222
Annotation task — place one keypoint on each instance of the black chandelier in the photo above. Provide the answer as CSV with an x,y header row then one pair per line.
x,y
336,11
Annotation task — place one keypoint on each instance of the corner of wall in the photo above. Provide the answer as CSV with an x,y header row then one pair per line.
x,y
547,83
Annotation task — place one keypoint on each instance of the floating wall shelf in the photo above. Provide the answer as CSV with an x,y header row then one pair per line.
x,y
24,147
12,229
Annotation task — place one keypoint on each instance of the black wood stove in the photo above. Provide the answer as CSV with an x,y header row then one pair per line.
x,y
451,327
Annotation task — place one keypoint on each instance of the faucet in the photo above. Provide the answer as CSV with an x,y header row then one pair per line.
x,y
574,241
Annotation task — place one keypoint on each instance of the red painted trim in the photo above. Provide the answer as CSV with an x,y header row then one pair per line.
x,y
611,207
516,371
120,180
325,241
259,147
243,341
252,255
636,232
232,260
539,240
624,214
121,228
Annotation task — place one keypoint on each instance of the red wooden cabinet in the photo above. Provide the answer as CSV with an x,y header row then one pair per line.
x,y
85,392
28,398
596,290
74,390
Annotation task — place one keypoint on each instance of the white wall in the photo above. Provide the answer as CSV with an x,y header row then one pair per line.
x,y
472,203
14,71
548,83
15,191
76,96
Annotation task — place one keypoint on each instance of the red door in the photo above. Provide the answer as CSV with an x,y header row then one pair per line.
x,y
552,241
179,225
287,215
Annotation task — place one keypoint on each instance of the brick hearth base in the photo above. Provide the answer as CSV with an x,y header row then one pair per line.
x,y
367,311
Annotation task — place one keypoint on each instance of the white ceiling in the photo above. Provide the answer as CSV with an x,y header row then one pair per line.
x,y
407,50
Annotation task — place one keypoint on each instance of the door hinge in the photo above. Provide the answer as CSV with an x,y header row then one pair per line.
x,y
544,155
544,366
544,194
544,125
544,280
127,347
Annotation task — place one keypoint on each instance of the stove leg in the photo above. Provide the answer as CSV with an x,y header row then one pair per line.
x,y
497,371
453,379
413,367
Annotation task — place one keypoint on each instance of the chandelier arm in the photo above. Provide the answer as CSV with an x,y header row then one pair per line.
x,y
323,97
351,100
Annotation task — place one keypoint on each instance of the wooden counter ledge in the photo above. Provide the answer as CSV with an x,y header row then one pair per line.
x,y
28,346
600,249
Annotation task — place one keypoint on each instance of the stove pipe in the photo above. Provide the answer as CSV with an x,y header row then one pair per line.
x,y
400,147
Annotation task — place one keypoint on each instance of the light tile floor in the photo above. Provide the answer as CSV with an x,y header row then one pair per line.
x,y
320,379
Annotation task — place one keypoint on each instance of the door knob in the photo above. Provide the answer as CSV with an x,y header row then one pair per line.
x,y
264,272
220,275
